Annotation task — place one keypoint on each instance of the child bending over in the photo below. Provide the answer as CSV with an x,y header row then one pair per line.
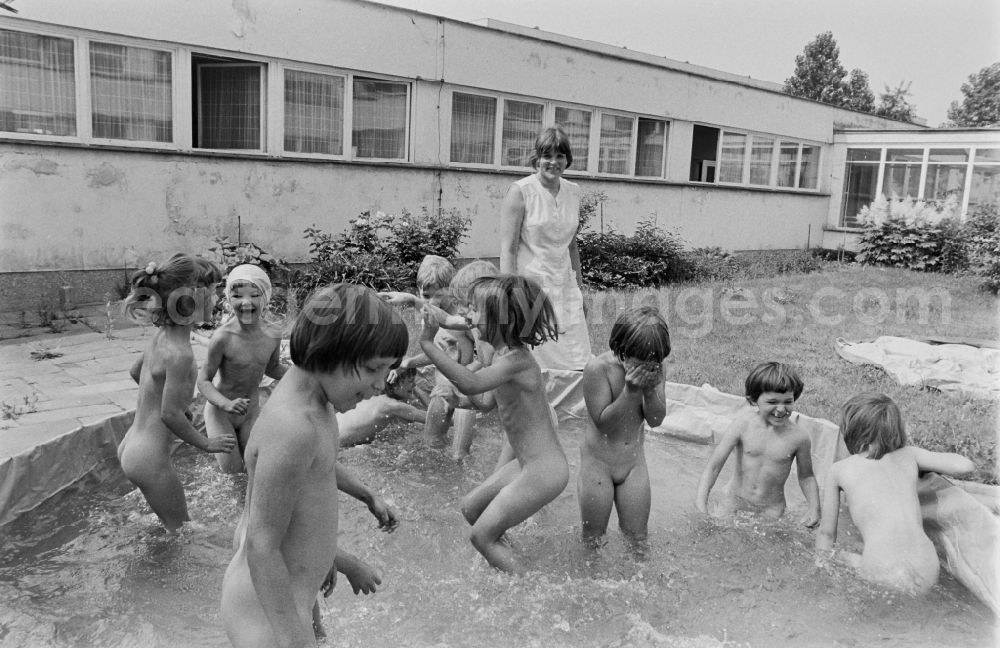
x,y
880,482
174,297
623,390
766,440
241,352
372,415
342,345
511,313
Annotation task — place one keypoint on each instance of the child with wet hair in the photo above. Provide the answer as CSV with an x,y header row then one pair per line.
x,y
766,440
243,350
623,390
879,480
512,314
173,296
343,344
372,415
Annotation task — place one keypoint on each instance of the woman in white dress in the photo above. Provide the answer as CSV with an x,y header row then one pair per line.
x,y
538,224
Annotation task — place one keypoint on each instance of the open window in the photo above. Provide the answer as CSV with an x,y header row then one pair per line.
x,y
704,146
228,106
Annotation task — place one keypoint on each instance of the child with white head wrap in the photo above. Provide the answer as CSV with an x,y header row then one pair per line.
x,y
249,274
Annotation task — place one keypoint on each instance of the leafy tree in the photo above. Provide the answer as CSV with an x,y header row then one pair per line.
x,y
981,105
858,94
818,72
893,103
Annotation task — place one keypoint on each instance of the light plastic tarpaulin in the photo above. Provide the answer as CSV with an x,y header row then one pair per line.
x,y
962,368
33,476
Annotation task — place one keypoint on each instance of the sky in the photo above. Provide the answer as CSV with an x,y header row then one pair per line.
x,y
933,44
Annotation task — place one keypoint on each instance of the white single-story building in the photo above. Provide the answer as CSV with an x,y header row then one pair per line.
x,y
135,130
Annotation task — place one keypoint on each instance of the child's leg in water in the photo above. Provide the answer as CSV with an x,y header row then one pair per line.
x,y
147,465
219,423
526,490
317,622
632,499
438,419
465,421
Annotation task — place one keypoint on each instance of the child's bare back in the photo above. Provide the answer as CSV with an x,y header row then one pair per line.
x,y
882,497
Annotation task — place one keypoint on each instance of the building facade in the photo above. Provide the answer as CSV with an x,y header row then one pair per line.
x,y
145,128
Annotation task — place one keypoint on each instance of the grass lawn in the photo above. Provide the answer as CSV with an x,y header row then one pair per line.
x,y
720,330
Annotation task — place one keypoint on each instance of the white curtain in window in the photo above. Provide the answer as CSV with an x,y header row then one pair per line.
x,y
314,113
473,128
576,124
37,84
130,90
229,105
379,110
788,156
616,142
761,152
522,121
809,170
650,148
734,146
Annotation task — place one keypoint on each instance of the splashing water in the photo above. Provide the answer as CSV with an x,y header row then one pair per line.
x,y
92,567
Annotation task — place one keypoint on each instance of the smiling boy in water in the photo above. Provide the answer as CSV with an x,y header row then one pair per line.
x,y
766,439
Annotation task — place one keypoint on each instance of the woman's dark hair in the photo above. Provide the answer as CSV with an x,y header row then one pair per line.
x,y
345,325
551,140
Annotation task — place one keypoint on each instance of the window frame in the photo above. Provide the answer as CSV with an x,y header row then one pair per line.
x,y
349,119
778,142
88,108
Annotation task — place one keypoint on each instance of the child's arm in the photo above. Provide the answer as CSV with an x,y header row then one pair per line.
x,y
174,404
136,370
826,535
213,360
946,463
275,368
715,463
278,481
407,412
447,320
397,298
362,576
464,379
807,482
654,401
414,362
349,483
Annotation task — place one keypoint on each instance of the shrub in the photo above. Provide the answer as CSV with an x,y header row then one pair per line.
x,y
913,235
379,250
229,255
651,257
981,236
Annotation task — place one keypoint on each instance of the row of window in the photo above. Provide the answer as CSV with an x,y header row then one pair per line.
x,y
132,97
969,175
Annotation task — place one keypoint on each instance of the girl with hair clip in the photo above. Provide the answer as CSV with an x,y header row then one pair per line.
x,y
879,480
511,313
241,352
173,296
623,389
